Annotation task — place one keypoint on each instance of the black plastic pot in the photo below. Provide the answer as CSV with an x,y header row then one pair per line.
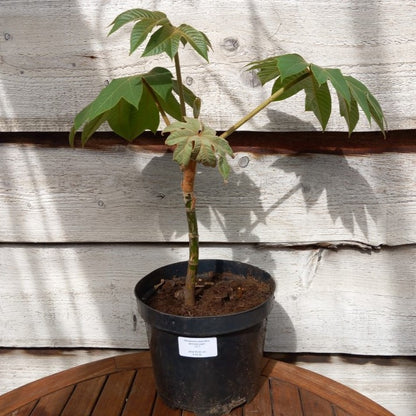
x,y
207,365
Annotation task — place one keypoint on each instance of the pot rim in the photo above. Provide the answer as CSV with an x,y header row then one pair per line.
x,y
199,326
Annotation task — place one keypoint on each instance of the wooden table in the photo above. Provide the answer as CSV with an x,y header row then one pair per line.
x,y
124,386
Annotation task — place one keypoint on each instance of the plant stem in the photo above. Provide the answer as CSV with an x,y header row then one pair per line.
x,y
180,86
188,182
189,199
263,105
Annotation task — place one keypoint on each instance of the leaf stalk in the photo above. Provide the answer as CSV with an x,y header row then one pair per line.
x,y
263,105
180,86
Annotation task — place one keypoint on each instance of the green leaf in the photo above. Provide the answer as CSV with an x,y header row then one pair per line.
x,y
128,106
195,141
266,69
198,40
128,122
128,88
224,167
318,100
350,112
291,89
92,126
160,80
367,102
291,64
141,30
290,71
135,14
377,112
171,106
359,91
334,75
165,39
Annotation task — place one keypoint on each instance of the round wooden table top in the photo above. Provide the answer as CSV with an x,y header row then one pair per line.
x,y
124,386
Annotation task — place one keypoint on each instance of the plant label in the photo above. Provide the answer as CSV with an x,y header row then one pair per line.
x,y
198,347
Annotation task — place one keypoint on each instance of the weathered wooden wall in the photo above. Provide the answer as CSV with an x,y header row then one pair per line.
x,y
55,56
99,217
80,227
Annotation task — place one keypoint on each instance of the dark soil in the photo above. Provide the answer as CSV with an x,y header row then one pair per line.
x,y
215,295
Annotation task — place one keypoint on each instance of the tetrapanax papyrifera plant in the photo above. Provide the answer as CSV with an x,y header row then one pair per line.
x,y
135,103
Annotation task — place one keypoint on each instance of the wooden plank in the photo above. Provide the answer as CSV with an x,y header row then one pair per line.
x,y
261,404
84,397
388,381
142,395
20,367
361,40
315,405
317,393
340,412
237,412
112,398
62,384
24,410
82,295
53,403
391,382
285,398
273,199
320,395
161,409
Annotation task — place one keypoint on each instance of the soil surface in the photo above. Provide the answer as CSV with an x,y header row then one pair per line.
x,y
215,295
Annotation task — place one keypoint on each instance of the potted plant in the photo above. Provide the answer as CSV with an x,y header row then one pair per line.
x,y
206,362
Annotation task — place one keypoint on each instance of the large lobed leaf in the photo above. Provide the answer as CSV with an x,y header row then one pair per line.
x,y
293,74
165,39
129,105
195,141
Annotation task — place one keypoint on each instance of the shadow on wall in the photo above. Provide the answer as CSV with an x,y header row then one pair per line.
x,y
45,47
350,198
370,27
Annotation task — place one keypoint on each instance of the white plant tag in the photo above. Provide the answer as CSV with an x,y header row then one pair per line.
x,y
198,347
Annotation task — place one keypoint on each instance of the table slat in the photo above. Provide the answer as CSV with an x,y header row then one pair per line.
x,y
313,404
340,412
84,397
52,404
124,386
24,410
161,409
261,404
142,395
113,395
286,398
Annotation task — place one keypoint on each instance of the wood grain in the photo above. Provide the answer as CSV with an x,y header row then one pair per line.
x,y
57,195
313,404
52,403
344,301
142,395
286,398
84,397
113,396
386,380
319,396
45,83
261,404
